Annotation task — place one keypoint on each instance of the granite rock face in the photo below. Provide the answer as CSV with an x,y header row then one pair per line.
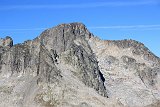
x,y
66,66
131,71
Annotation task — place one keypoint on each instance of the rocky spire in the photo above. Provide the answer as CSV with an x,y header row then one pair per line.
x,y
6,42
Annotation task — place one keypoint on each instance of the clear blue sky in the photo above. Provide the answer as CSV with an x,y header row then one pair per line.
x,y
108,19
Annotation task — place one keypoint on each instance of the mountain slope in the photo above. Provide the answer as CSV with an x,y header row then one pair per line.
x,y
131,71
66,66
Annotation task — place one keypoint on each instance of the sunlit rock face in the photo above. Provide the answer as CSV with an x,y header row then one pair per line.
x,y
67,66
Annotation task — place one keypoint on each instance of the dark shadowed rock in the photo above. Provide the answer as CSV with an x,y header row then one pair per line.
x,y
87,68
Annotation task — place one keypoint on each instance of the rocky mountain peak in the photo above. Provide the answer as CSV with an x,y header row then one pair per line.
x,y
66,66
75,25
62,36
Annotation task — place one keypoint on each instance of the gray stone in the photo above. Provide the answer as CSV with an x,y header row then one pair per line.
x,y
67,66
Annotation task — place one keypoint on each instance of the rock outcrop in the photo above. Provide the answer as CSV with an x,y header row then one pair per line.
x,y
66,66
6,42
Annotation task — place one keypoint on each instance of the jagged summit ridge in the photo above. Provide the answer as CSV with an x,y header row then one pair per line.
x,y
66,66
138,49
